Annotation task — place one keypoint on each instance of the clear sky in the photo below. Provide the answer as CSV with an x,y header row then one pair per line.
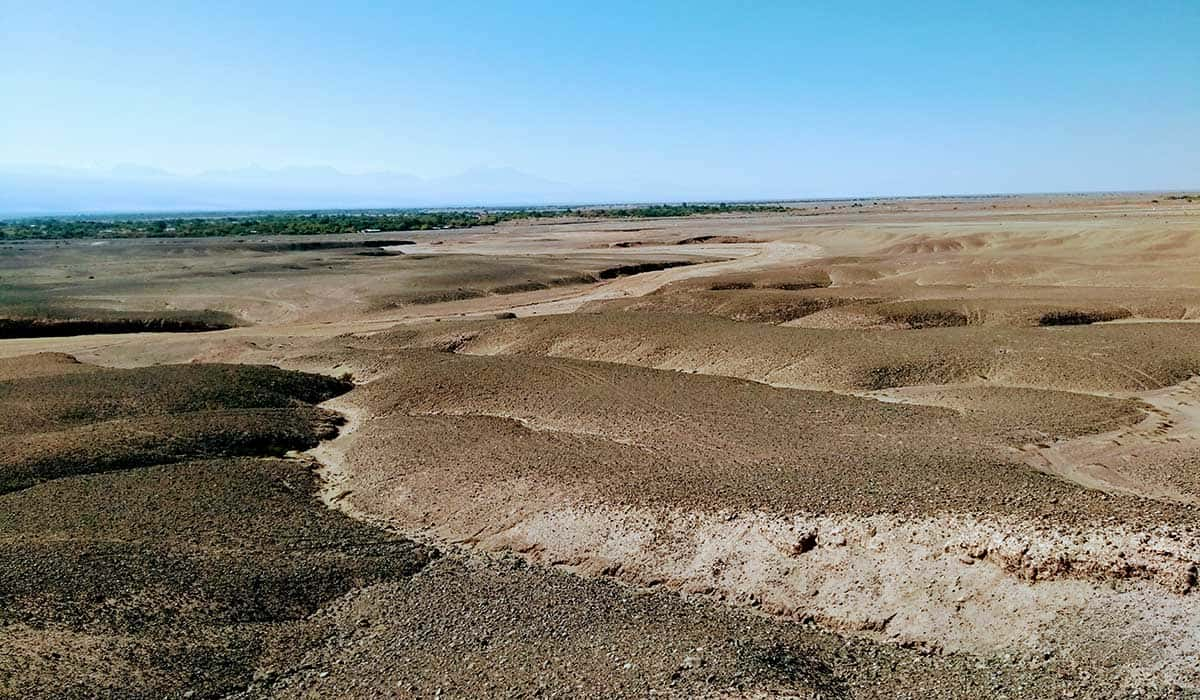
x,y
729,99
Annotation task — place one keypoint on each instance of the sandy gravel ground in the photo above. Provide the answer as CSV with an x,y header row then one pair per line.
x,y
922,448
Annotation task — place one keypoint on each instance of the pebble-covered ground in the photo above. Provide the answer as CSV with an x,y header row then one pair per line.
x,y
228,577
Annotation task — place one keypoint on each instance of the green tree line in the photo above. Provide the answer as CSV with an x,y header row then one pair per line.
x,y
293,224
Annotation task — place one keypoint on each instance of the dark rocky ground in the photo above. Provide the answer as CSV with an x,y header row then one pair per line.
x,y
467,626
185,577
184,574
90,419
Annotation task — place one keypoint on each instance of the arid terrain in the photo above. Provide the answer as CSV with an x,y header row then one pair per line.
x,y
923,448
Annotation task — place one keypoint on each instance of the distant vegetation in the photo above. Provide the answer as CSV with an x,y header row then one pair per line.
x,y
288,224
661,210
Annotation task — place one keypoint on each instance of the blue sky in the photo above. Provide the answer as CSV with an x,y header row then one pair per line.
x,y
725,100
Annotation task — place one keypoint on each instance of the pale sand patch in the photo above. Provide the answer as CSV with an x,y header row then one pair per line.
x,y
952,583
1111,461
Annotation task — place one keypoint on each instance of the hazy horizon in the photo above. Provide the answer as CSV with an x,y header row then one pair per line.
x,y
136,190
275,107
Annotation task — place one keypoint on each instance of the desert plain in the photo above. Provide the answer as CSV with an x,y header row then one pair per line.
x,y
924,448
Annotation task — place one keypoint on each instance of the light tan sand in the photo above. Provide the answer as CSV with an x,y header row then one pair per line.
x,y
903,451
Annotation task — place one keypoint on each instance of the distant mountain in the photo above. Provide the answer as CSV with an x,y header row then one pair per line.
x,y
131,188
495,183
132,170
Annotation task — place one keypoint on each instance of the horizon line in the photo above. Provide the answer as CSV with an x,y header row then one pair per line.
x,y
567,205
